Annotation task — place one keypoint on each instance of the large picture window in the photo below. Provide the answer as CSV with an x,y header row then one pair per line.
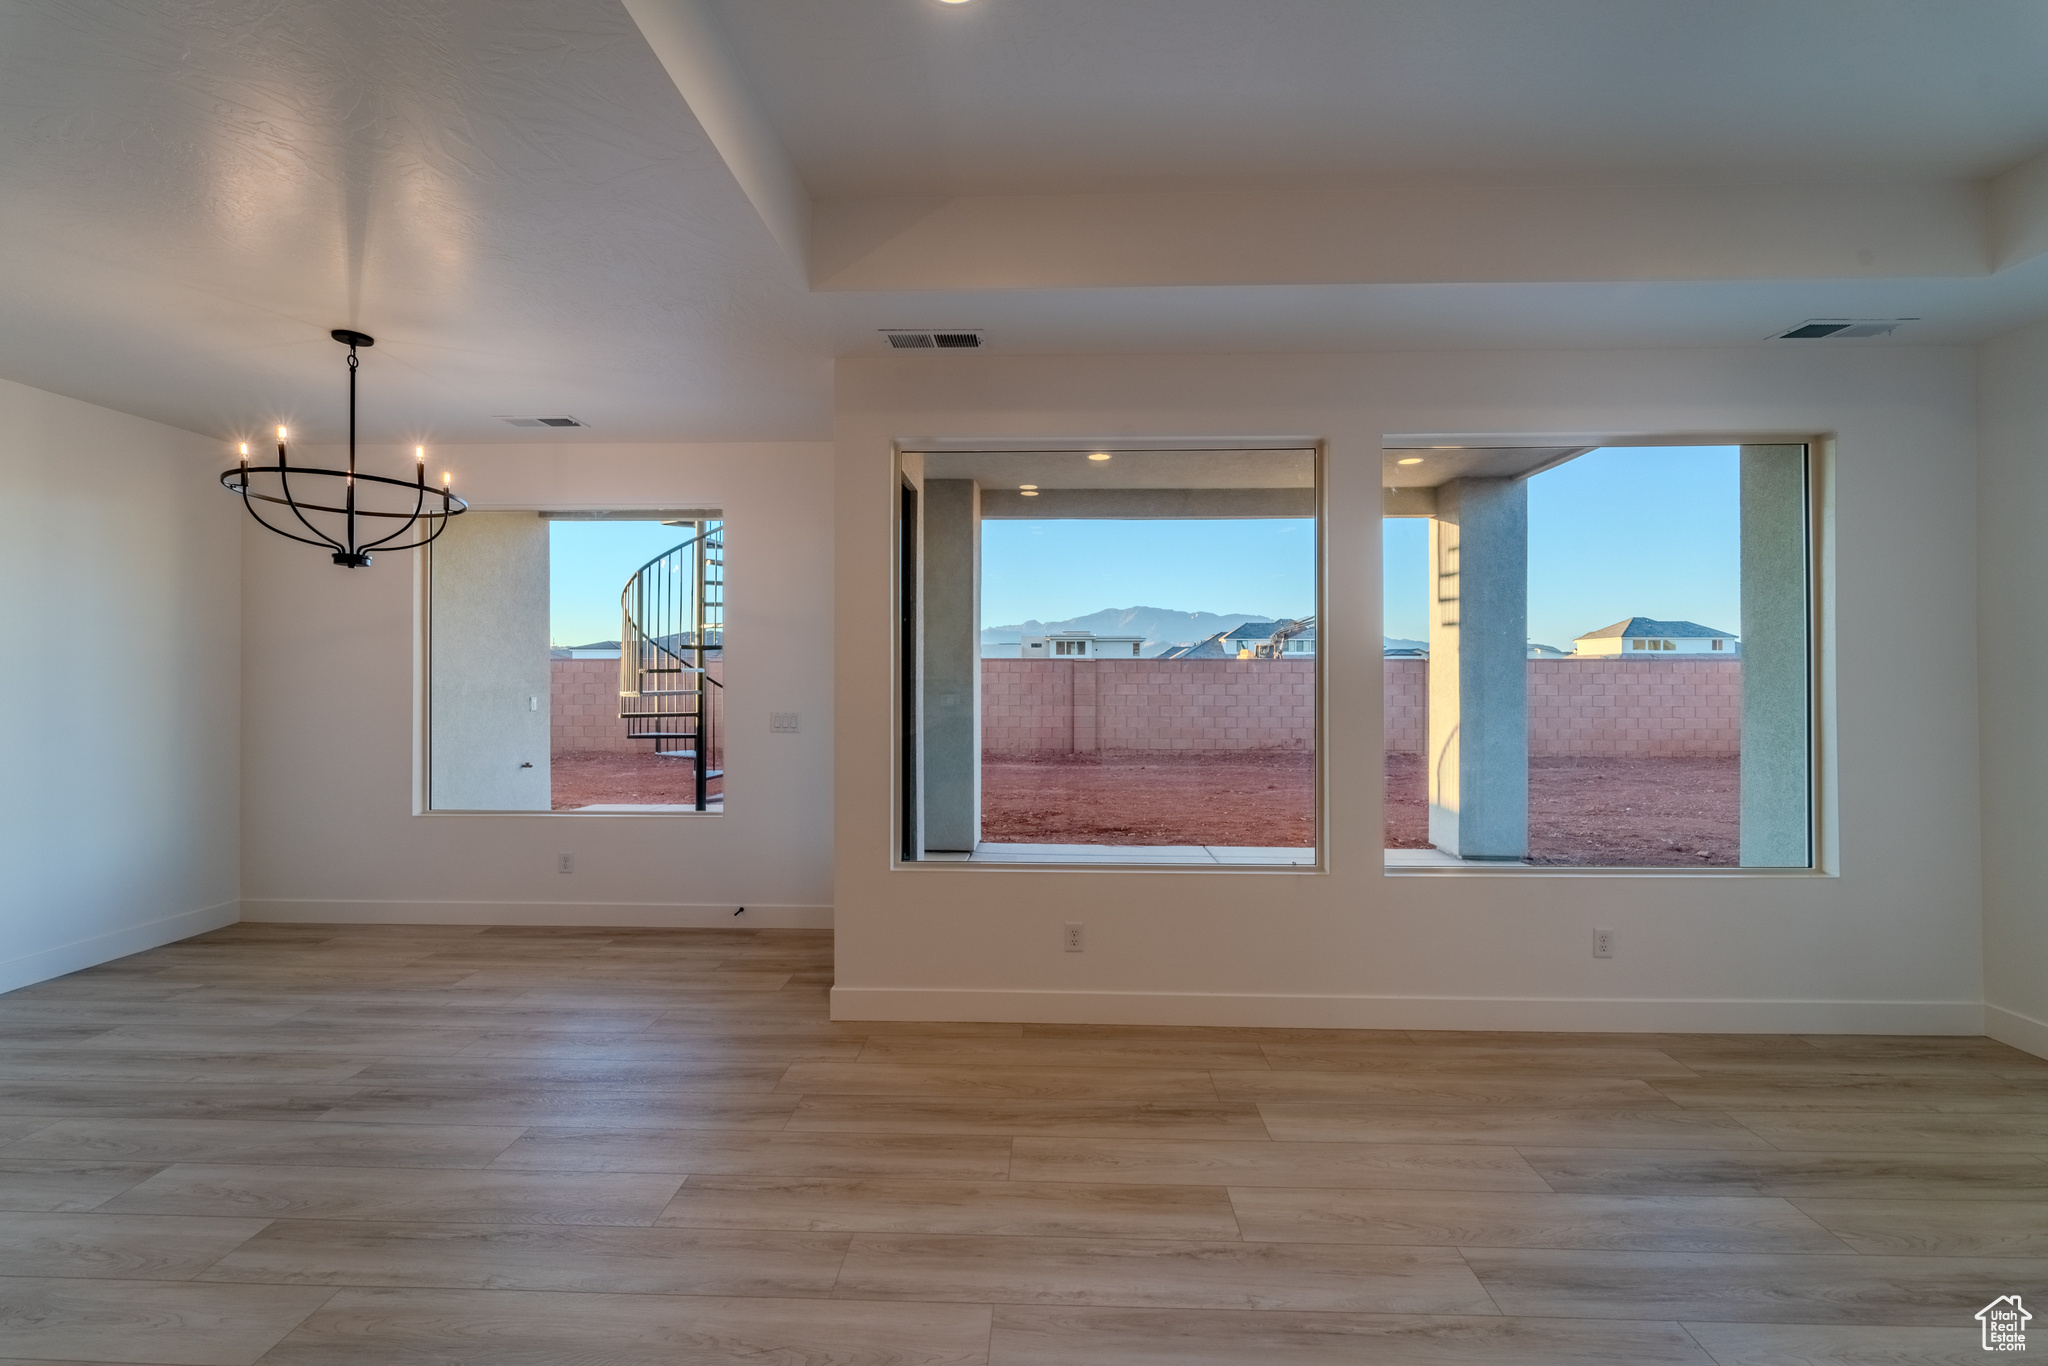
x,y
576,663
1110,657
1598,657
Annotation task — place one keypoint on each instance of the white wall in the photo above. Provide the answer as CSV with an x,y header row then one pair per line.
x,y
2013,617
330,823
1888,940
119,556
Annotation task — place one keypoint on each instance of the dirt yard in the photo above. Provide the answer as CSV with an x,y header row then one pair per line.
x,y
1258,798
1635,813
604,778
1627,812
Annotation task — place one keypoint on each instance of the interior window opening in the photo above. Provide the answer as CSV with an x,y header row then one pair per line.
x,y
1116,658
577,663
1526,719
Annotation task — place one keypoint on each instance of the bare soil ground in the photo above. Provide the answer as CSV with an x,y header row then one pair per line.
x,y
598,777
1137,797
1680,812
1632,813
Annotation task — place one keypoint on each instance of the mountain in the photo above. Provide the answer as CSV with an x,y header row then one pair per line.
x,y
1158,625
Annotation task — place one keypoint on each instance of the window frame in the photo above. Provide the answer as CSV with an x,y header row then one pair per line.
x,y
423,657
1823,805
903,707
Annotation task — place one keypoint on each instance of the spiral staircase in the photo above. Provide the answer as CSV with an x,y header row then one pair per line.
x,y
672,635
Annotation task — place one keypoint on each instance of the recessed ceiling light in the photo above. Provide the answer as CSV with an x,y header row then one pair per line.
x,y
1027,486
1099,455
952,2
1021,493
1411,460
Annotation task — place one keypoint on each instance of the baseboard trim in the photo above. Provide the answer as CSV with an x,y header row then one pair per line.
x,y
633,914
80,954
1409,1012
2021,1031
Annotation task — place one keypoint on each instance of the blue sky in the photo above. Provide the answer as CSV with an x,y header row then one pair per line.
x,y
1054,570
588,565
1624,531
1651,531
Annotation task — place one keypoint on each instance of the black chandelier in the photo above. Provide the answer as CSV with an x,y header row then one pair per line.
x,y
430,512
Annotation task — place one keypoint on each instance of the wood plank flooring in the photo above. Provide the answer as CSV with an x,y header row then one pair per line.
x,y
310,1145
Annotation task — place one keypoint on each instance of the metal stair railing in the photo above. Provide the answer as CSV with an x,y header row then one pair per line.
x,y
672,621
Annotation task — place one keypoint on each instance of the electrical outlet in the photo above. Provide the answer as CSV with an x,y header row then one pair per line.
x,y
1603,943
784,722
565,863
1073,939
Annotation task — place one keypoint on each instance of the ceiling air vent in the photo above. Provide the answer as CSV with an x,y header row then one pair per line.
x,y
543,421
1842,328
903,340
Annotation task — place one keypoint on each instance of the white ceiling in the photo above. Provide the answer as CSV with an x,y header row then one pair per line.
x,y
993,96
1127,469
508,194
514,197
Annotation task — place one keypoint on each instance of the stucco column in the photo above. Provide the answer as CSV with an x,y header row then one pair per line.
x,y
1776,745
492,680
1478,669
952,664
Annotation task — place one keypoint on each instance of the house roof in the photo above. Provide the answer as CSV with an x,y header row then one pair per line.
x,y
1251,630
1212,648
1651,626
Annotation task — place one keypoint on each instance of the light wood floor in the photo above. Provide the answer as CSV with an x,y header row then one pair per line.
x,y
311,1145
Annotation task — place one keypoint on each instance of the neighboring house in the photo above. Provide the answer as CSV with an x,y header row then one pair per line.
x,y
1541,651
1244,642
1648,634
598,649
1291,640
1074,645
1403,652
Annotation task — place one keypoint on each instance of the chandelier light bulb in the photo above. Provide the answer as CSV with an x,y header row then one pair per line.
x,y
280,432
419,453
446,478
1099,455
245,452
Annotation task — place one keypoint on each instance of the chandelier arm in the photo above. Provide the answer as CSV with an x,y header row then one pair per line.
x,y
324,545
284,482
440,520
380,543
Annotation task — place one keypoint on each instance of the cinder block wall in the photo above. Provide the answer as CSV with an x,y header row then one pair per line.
x,y
1029,706
1405,705
584,703
1640,708
1581,707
